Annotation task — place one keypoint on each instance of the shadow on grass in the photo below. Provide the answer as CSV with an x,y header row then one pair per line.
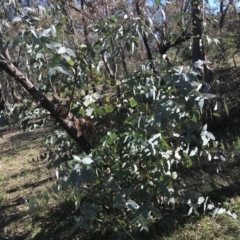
x,y
22,140
14,203
30,185
5,221
16,237
26,171
54,224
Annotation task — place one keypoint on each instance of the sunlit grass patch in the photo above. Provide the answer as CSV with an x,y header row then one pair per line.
x,y
221,227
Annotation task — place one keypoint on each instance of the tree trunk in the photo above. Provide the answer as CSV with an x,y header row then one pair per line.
x,y
197,45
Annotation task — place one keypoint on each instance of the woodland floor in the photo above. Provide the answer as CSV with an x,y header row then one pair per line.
x,y
23,177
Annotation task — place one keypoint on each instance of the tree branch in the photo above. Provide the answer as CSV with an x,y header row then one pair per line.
x,y
9,68
165,47
144,36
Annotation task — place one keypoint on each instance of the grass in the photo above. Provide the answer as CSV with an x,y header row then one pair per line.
x,y
26,196
218,228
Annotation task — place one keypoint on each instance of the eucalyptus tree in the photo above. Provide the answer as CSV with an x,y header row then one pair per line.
x,y
133,113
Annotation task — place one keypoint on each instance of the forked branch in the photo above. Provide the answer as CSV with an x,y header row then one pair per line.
x,y
18,76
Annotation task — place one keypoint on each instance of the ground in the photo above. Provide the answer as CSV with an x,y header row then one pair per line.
x,y
29,208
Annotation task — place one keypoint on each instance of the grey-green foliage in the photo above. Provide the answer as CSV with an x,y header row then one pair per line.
x,y
132,173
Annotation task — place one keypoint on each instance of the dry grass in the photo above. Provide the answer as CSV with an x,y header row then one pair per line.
x,y
221,227
22,180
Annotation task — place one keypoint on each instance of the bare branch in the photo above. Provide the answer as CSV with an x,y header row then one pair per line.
x,y
164,48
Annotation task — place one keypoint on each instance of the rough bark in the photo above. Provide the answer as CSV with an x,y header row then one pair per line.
x,y
198,52
197,47
18,76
